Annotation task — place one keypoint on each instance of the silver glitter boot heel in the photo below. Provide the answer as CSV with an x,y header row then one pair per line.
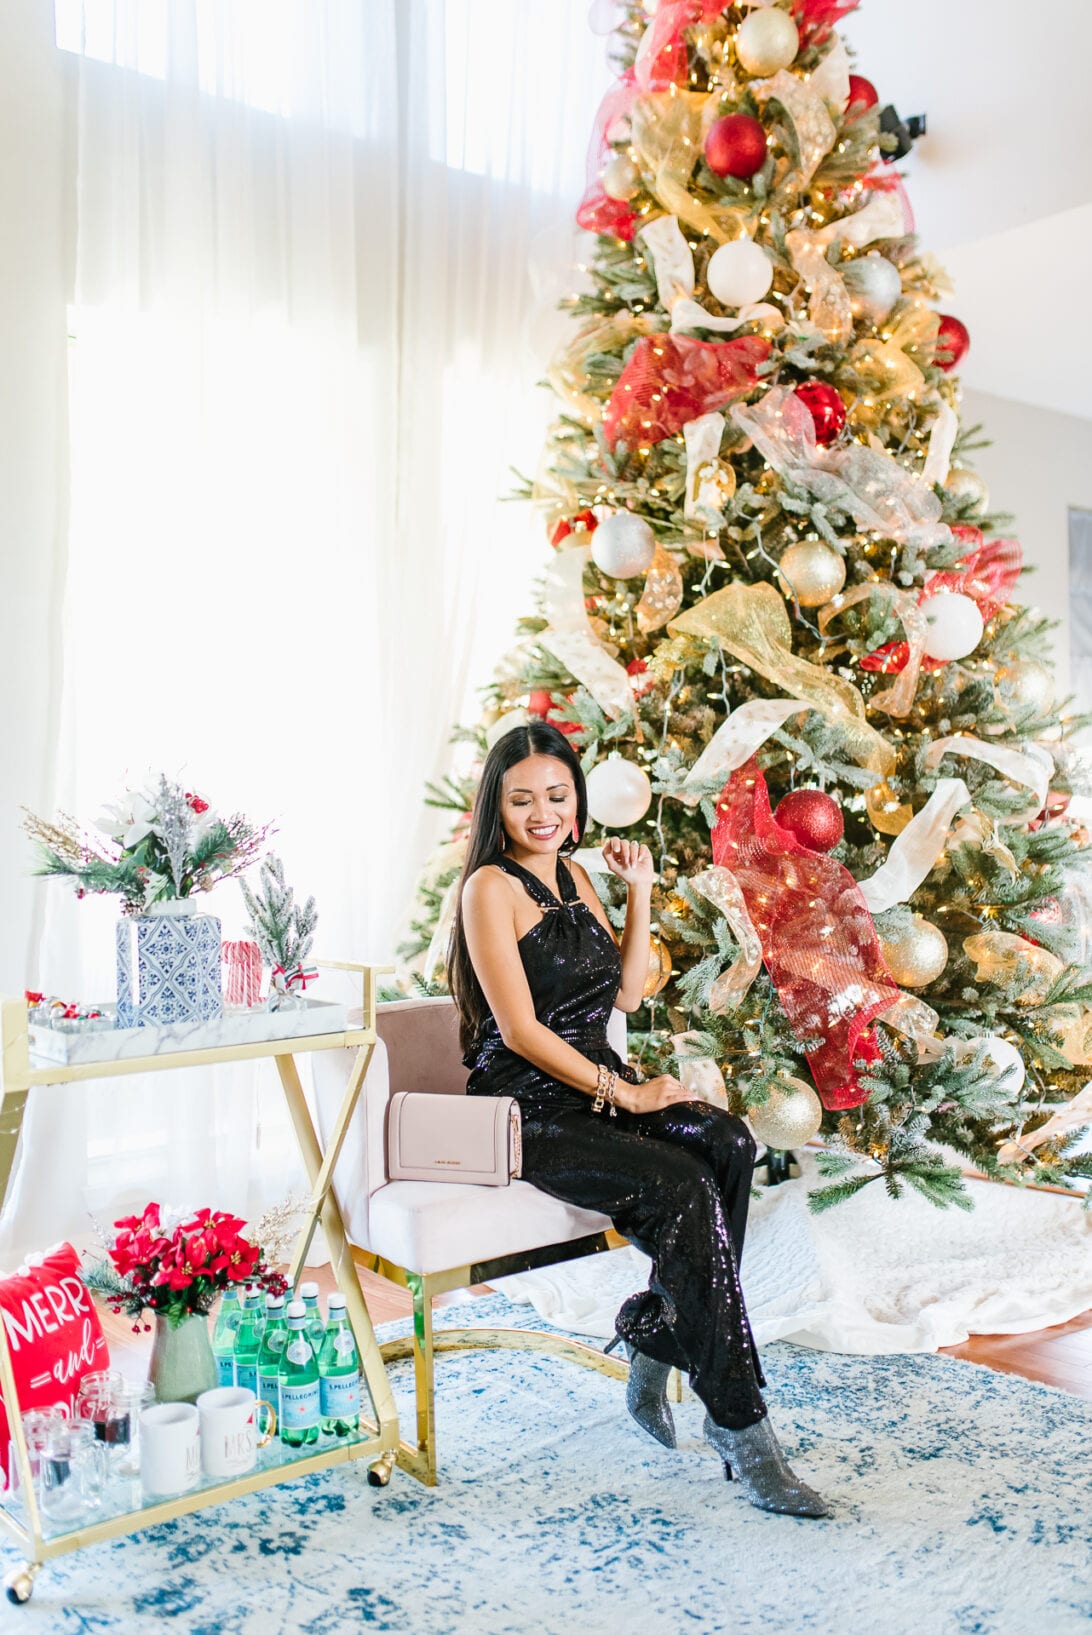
x,y
764,1474
646,1393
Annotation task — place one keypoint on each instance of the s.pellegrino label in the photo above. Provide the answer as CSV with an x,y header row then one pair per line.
x,y
300,1405
339,1395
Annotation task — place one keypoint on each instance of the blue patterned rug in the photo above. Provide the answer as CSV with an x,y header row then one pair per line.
x,y
961,1505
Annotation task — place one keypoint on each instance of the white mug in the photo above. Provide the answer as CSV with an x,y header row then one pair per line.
x,y
170,1448
230,1437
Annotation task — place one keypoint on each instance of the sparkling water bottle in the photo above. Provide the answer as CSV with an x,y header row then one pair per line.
x,y
316,1328
223,1335
248,1340
339,1373
271,1351
299,1381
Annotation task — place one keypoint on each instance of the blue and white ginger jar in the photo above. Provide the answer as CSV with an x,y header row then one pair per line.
x,y
168,965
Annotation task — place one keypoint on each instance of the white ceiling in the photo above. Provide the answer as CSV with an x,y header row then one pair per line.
x,y
1002,184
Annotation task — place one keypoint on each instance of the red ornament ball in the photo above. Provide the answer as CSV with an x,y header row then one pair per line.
x,y
953,337
827,410
542,703
862,92
812,818
736,146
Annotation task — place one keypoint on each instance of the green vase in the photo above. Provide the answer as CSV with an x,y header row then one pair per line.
x,y
182,1363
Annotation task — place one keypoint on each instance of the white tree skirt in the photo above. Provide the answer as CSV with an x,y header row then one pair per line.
x,y
871,1275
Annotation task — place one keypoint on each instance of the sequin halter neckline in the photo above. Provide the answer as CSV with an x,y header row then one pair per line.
x,y
566,895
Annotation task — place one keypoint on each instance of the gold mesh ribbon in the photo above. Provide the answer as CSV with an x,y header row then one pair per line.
x,y
897,700
662,596
567,368
1000,956
721,888
667,131
829,308
751,621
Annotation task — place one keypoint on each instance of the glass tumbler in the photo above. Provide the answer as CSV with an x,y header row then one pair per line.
x,y
62,1479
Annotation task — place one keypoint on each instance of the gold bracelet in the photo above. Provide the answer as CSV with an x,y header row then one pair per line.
x,y
600,1087
611,1088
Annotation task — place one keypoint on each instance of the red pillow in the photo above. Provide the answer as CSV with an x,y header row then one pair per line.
x,y
53,1333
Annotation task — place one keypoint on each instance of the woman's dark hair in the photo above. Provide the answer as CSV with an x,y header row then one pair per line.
x,y
487,840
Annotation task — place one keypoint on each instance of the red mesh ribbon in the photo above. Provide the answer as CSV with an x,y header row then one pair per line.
x,y
661,58
596,211
816,18
989,573
818,940
689,377
661,61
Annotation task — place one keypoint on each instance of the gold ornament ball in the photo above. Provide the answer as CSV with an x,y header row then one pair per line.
x,y
621,179
790,1118
918,956
1028,685
766,41
811,572
967,485
659,967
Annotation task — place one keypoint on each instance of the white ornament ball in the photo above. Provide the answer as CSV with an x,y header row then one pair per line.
x,y
967,485
1002,1056
1028,686
874,286
619,793
623,545
790,1118
739,273
953,625
811,573
766,41
620,178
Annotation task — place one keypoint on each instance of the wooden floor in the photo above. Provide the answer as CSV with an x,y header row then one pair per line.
x,y
1060,1356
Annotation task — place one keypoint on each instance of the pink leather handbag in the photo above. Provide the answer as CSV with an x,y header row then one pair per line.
x,y
453,1138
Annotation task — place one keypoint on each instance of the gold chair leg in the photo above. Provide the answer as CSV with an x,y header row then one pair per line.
x,y
421,1460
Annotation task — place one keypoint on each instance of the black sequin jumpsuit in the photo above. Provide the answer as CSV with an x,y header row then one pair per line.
x,y
675,1182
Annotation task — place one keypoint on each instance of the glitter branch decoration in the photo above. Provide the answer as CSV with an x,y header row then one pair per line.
x,y
283,929
158,843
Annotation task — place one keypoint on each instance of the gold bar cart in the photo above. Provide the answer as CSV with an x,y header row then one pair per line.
x,y
378,1439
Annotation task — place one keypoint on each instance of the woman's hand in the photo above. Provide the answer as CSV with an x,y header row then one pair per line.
x,y
629,860
649,1097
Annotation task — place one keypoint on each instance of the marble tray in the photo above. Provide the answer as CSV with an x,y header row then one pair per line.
x,y
235,1027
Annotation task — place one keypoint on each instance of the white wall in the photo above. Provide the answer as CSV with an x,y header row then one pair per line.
x,y
1038,465
33,451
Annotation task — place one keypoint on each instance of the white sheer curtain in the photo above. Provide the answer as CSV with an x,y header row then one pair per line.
x,y
313,239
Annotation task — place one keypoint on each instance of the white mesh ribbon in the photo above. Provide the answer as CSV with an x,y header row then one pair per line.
x,y
673,265
1071,1116
1031,767
919,1022
736,740
941,442
570,638
814,128
866,483
913,853
829,308
831,78
704,497
720,887
698,1073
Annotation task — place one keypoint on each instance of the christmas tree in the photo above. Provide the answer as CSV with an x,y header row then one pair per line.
x,y
780,625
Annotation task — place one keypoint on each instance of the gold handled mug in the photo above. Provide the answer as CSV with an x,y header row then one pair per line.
x,y
234,1425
